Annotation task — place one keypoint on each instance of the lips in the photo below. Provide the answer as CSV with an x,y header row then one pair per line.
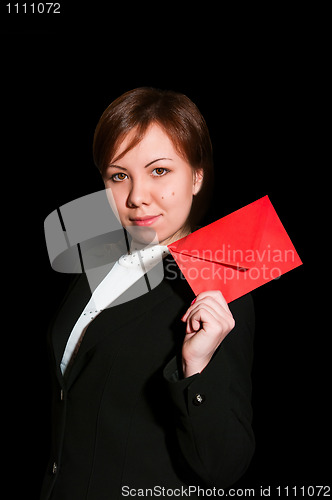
x,y
147,220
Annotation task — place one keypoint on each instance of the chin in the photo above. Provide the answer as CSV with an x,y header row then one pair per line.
x,y
143,235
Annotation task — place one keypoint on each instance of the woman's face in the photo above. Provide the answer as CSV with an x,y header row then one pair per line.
x,y
153,187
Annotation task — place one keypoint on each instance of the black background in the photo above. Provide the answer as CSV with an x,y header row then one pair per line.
x,y
258,77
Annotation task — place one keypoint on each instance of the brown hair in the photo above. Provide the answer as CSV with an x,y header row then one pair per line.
x,y
176,114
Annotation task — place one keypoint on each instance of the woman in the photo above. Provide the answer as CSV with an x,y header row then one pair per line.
x,y
155,392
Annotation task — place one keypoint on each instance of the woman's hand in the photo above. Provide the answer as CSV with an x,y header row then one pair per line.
x,y
209,320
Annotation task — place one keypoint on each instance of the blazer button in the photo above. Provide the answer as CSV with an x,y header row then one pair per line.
x,y
198,399
55,468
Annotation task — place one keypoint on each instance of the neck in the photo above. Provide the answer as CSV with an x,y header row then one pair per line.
x,y
181,233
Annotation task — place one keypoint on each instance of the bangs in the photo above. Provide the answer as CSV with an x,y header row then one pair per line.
x,y
138,134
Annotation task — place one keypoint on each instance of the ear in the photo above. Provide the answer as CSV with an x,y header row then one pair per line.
x,y
197,180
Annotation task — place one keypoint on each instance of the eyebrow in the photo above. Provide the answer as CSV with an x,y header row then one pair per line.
x,y
151,162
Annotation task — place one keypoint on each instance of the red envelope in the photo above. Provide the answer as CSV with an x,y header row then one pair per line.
x,y
237,253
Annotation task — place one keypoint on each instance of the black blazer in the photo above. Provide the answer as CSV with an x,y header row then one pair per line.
x,y
124,418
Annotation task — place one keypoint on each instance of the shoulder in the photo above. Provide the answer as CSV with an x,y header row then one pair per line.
x,y
239,343
243,310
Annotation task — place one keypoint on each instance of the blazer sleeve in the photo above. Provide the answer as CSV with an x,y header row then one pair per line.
x,y
212,410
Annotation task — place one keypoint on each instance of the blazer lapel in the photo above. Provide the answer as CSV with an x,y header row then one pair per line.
x,y
69,311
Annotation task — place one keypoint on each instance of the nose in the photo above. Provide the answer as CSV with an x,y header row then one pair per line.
x,y
139,194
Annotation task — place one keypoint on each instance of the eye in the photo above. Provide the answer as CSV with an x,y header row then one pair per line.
x,y
120,176
159,172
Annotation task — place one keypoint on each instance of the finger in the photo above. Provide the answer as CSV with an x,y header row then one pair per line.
x,y
215,300
207,315
216,295
204,315
198,318
193,325
210,306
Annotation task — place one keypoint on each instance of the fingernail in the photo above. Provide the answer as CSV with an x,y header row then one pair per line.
x,y
193,301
